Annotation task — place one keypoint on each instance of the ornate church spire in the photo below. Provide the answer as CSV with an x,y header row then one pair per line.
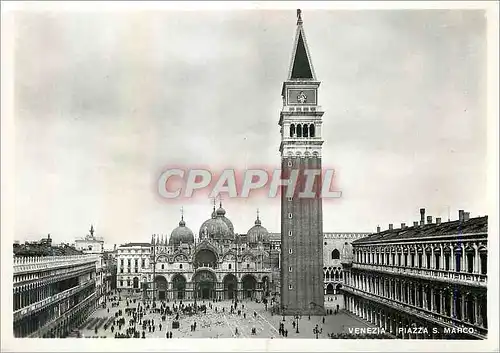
x,y
214,214
257,221
182,223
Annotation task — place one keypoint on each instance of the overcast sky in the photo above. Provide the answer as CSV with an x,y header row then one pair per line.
x,y
105,101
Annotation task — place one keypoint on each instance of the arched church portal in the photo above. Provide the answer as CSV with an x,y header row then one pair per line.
x,y
249,286
204,282
179,286
230,287
161,285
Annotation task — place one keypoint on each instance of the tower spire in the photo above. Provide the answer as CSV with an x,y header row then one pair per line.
x,y
301,66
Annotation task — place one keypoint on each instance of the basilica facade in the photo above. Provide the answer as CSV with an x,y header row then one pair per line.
x,y
216,264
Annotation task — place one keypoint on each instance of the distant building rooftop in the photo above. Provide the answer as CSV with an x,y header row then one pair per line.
x,y
469,226
44,249
135,244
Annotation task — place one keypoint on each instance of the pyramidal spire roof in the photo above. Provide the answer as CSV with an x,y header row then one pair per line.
x,y
301,65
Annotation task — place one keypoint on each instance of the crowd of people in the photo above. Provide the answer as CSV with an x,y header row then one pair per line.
x,y
141,319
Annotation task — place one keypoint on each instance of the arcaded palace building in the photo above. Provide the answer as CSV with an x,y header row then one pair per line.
x,y
53,294
333,243
424,281
55,288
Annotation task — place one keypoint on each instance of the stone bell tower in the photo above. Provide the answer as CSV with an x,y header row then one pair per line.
x,y
301,216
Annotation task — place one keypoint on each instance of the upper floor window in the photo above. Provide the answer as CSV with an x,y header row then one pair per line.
x,y
335,254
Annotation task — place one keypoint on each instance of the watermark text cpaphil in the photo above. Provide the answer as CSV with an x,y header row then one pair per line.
x,y
305,183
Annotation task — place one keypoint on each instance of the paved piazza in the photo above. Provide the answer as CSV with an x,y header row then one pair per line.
x,y
224,324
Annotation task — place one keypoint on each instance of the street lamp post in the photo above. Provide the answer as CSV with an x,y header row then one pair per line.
x,y
297,319
316,331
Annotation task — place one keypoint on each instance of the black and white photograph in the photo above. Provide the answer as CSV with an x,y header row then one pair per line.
x,y
280,176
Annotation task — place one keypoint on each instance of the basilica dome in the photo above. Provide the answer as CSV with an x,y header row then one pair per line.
x,y
222,214
257,234
181,234
215,228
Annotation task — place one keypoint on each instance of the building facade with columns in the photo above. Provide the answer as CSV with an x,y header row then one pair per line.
x,y
94,245
424,281
53,294
333,243
132,260
216,264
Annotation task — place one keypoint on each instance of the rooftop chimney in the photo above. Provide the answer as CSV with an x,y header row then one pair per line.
x,y
429,219
438,220
403,225
466,216
378,229
460,215
390,226
422,216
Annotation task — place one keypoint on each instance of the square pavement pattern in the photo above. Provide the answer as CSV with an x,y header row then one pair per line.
x,y
220,323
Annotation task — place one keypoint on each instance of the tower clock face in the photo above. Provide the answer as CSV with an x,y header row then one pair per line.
x,y
301,97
